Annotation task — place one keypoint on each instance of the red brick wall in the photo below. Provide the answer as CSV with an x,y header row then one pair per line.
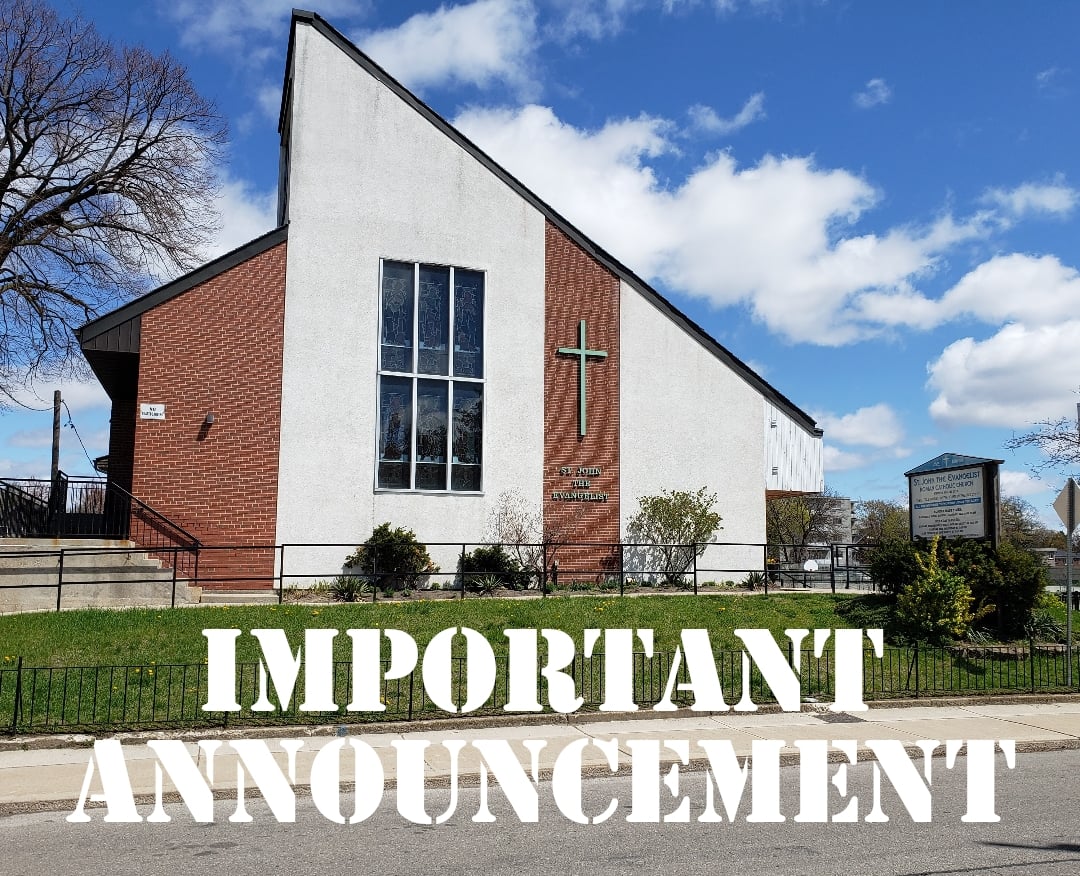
x,y
577,288
216,348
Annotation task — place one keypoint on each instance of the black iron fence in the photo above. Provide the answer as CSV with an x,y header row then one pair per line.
x,y
64,699
464,570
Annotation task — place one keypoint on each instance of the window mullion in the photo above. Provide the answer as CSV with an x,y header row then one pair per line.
x,y
449,433
450,341
415,355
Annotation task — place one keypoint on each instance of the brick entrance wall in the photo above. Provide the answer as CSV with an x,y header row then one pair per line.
x,y
578,288
216,348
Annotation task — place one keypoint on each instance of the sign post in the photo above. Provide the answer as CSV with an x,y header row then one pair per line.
x,y
1065,505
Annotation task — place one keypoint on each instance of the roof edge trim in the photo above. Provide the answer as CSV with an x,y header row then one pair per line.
x,y
182,284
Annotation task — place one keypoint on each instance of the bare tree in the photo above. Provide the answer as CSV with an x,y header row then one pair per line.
x,y
1057,440
792,523
521,528
106,180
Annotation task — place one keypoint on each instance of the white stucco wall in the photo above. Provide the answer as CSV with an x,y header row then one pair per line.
x,y
370,178
689,421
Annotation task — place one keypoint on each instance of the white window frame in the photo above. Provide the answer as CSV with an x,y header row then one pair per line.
x,y
415,376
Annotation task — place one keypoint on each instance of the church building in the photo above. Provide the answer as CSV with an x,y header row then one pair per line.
x,y
421,335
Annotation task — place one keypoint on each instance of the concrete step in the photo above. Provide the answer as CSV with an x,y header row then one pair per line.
x,y
96,573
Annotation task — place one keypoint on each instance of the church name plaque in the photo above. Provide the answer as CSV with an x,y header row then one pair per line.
x,y
580,485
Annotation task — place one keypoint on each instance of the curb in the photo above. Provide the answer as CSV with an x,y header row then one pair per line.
x,y
38,742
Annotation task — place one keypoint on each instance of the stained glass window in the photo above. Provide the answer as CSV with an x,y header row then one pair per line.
x,y
468,323
397,317
431,403
468,432
434,320
395,431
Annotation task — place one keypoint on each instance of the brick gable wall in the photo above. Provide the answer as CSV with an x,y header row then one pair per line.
x,y
577,288
216,348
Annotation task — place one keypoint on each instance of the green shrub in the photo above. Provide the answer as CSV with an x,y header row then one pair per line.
x,y
893,565
491,560
671,527
1005,584
392,559
754,580
484,585
349,588
1023,581
936,605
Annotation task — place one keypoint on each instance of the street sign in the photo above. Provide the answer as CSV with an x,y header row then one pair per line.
x,y
1064,506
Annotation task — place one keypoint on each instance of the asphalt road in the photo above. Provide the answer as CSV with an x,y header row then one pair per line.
x,y
1039,833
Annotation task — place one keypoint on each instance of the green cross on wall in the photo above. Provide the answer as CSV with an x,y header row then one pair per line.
x,y
582,352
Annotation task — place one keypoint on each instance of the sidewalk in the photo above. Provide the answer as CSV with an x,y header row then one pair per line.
x,y
47,772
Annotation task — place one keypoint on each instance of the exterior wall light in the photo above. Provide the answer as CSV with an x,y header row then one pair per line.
x,y
209,421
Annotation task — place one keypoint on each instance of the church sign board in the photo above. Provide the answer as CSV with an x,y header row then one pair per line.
x,y
954,496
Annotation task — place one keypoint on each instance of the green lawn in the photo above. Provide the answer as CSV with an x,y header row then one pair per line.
x,y
145,636
146,668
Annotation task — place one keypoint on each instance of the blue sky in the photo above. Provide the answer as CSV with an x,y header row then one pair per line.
x,y
877,205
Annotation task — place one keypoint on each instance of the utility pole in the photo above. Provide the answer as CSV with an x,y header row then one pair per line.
x,y
55,434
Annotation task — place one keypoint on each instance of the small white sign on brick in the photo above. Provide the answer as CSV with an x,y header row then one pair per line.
x,y
151,412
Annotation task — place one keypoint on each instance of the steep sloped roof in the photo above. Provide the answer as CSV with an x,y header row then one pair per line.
x,y
950,460
312,19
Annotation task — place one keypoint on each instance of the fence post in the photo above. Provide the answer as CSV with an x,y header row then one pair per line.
x,y
175,560
554,574
462,577
59,578
281,576
832,569
1031,661
374,579
622,569
765,564
411,675
693,547
543,569
916,669
18,696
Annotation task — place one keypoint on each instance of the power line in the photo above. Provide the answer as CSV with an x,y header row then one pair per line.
x,y
24,405
71,423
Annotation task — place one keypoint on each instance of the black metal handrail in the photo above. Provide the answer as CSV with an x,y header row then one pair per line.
x,y
21,510
185,538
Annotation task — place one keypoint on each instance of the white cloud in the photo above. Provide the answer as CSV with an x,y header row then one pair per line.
x,y
268,99
1051,81
1018,483
1018,376
594,19
479,44
837,460
801,267
706,119
1056,199
245,214
78,395
874,426
1033,290
229,26
874,93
